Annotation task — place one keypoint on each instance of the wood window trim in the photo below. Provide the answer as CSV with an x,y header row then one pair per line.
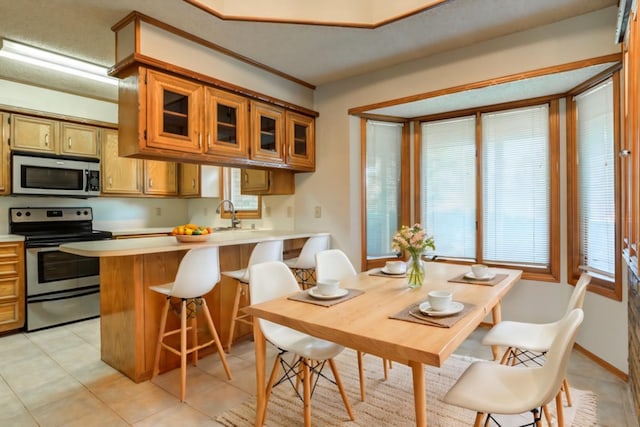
x,y
240,214
552,272
405,190
605,288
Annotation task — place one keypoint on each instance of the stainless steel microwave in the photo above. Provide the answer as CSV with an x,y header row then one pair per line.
x,y
54,176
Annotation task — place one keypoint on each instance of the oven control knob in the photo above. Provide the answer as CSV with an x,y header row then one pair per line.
x,y
28,213
78,212
86,213
18,214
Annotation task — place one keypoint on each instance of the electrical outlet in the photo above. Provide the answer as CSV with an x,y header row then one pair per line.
x,y
267,211
158,211
289,211
318,212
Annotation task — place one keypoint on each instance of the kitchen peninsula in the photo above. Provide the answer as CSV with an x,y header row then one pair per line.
x,y
130,312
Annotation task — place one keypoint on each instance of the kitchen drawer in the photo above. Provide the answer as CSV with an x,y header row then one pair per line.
x,y
9,313
9,288
8,250
8,268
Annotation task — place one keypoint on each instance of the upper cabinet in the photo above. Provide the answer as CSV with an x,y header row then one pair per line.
x,y
51,136
166,117
160,178
226,123
79,140
5,183
301,145
189,185
120,175
267,133
173,113
33,134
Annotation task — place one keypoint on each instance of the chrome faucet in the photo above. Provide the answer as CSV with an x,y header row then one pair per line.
x,y
234,221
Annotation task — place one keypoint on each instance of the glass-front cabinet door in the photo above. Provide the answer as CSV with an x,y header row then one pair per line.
x,y
301,147
267,133
174,108
226,123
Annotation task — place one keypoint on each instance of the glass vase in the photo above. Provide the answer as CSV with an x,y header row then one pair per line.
x,y
415,271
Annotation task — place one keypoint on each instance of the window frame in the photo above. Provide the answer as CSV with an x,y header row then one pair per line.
x,y
609,289
405,187
240,213
552,271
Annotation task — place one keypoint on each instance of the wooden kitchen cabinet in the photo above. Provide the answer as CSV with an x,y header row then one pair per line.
x,y
300,141
174,107
33,134
189,180
120,175
79,140
267,182
226,123
267,133
160,178
12,303
5,162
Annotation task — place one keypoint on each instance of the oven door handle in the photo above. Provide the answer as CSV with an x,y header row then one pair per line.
x,y
42,245
66,295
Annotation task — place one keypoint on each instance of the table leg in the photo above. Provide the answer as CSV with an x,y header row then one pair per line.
x,y
260,346
496,313
419,398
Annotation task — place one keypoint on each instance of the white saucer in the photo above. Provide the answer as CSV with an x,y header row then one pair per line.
x,y
454,307
385,271
341,292
472,276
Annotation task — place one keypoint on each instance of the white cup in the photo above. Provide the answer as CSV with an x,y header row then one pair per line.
x,y
440,300
328,287
479,270
396,267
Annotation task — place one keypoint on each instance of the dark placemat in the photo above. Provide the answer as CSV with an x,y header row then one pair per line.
x,y
461,279
413,314
305,297
378,272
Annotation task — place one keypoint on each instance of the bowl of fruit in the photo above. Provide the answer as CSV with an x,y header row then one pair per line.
x,y
191,233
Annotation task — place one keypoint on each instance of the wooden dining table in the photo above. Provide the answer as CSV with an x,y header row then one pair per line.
x,y
363,323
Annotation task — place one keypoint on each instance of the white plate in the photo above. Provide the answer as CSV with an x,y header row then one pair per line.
x,y
385,271
454,307
341,292
472,276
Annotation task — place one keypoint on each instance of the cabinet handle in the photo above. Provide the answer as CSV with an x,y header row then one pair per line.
x,y
200,141
69,141
110,181
209,139
150,182
46,139
193,183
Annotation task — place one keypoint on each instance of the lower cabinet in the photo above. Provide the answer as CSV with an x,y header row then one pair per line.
x,y
12,286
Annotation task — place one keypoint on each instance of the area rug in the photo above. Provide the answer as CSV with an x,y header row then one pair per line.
x,y
390,402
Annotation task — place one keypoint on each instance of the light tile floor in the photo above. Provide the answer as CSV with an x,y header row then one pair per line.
x,y
55,378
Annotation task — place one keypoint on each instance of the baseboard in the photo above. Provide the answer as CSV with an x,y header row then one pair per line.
x,y
606,365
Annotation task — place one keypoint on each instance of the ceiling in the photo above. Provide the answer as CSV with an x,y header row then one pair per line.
x,y
317,54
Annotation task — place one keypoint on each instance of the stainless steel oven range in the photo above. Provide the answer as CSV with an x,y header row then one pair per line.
x,y
61,287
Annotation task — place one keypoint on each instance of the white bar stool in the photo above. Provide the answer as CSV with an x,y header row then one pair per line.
x,y
304,266
197,275
270,250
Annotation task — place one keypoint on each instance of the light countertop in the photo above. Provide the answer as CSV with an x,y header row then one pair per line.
x,y
148,245
8,238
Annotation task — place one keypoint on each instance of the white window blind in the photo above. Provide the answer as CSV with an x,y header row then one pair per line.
x,y
383,164
241,202
596,162
448,180
516,186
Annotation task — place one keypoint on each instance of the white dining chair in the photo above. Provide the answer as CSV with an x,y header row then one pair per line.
x,y
491,388
270,250
198,273
528,343
304,265
334,264
271,280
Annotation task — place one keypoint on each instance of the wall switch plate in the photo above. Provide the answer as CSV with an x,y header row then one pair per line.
x,y
289,211
158,211
317,212
267,211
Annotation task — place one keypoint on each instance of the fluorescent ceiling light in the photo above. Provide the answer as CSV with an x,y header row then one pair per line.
x,y
53,61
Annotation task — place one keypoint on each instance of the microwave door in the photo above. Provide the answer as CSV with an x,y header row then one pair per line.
x,y
48,176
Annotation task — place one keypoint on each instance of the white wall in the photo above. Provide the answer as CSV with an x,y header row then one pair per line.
x,y
336,184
